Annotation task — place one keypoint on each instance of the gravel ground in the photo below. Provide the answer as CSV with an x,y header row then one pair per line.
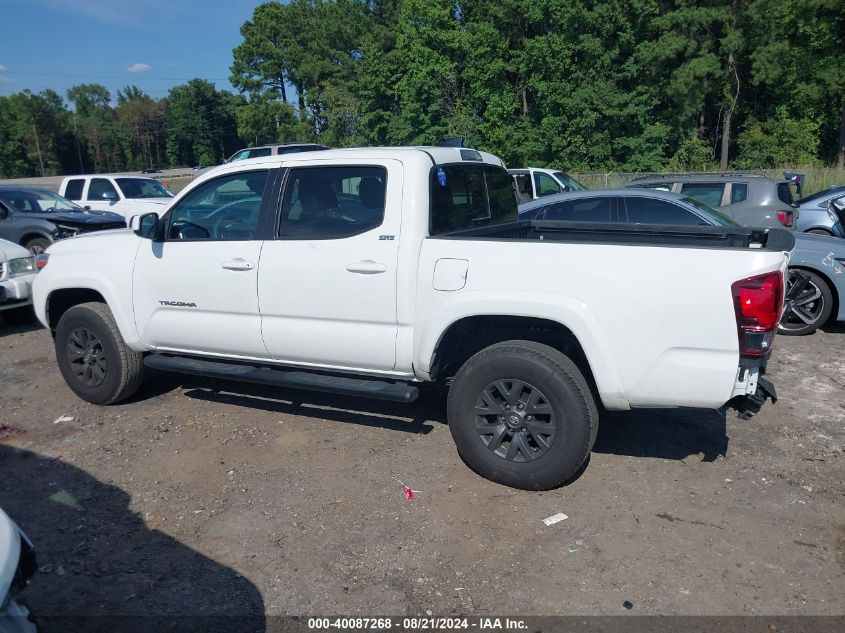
x,y
211,498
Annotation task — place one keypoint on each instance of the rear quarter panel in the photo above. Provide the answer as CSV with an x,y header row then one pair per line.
x,y
657,324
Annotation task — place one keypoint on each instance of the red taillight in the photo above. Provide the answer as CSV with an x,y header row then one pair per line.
x,y
785,218
41,260
758,302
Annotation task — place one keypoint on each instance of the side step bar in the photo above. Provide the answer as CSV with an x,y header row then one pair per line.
x,y
378,389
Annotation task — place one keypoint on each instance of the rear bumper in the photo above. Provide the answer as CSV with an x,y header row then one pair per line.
x,y
751,391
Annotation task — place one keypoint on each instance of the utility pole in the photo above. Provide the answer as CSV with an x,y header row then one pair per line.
x,y
38,147
78,150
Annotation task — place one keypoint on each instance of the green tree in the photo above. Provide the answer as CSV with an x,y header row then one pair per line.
x,y
202,125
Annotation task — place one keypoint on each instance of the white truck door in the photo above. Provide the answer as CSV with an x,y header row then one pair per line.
x,y
327,283
197,290
102,195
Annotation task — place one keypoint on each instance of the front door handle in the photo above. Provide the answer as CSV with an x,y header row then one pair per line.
x,y
237,264
367,267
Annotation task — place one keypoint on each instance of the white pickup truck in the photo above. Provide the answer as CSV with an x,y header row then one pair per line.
x,y
124,194
368,271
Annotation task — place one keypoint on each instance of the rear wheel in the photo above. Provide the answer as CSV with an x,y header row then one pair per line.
x,y
37,245
93,357
521,414
820,232
808,303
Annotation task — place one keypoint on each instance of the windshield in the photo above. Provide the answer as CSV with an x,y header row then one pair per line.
x,y
718,218
569,181
142,188
37,201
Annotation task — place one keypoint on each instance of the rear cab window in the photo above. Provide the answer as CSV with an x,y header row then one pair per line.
x,y
739,192
785,192
469,196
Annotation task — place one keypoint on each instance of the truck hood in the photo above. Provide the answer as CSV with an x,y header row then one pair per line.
x,y
78,218
10,551
154,201
9,250
825,243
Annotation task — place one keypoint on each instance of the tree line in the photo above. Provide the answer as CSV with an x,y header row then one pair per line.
x,y
633,85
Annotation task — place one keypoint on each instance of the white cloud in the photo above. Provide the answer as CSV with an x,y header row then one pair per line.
x,y
2,68
138,68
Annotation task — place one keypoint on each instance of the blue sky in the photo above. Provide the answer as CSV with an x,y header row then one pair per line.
x,y
153,44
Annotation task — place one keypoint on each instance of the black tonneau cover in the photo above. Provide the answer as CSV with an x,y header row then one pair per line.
x,y
727,237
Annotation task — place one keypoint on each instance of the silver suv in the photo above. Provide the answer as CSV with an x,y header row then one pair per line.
x,y
748,200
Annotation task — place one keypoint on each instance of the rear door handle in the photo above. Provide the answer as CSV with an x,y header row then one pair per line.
x,y
367,267
237,264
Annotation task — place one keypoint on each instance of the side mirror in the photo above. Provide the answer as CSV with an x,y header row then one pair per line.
x,y
147,226
110,195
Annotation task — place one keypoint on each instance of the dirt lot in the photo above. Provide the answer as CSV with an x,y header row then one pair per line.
x,y
213,498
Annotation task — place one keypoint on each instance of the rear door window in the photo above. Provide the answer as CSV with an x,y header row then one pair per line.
x,y
73,191
260,152
580,210
708,193
653,211
466,196
327,203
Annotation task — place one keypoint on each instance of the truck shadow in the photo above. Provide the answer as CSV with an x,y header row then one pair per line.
x,y
415,418
663,433
10,330
660,433
102,569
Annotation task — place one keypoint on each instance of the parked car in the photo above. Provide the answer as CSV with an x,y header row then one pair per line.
x,y
277,149
124,195
17,566
35,217
749,200
816,277
535,182
411,266
624,206
823,212
262,151
17,272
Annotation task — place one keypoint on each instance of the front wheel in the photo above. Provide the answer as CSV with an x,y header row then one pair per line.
x,y
521,414
808,303
94,359
37,245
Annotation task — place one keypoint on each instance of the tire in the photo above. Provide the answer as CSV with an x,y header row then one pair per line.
x,y
810,310
88,335
37,245
19,316
542,451
820,232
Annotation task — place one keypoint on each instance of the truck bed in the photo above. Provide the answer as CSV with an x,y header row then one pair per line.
x,y
727,237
